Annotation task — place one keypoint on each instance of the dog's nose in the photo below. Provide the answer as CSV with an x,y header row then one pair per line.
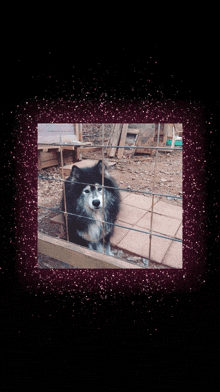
x,y
96,203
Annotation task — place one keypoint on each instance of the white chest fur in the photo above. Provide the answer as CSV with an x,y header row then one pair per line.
x,y
94,232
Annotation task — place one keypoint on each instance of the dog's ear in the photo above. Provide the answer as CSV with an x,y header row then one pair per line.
x,y
99,167
75,173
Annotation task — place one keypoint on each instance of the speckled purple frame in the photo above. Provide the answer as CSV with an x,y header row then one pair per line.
x,y
35,111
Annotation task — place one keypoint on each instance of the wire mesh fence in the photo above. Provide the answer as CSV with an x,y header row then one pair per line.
x,y
151,193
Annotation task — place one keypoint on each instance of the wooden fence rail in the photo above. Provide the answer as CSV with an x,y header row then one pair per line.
x,y
78,256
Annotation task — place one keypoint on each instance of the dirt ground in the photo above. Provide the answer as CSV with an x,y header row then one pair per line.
x,y
135,172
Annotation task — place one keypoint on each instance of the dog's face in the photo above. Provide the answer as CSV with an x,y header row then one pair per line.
x,y
89,196
92,195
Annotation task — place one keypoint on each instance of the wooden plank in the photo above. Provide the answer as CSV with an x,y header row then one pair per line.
x,y
114,139
173,141
76,147
131,139
49,128
168,130
122,140
52,162
134,131
52,158
77,131
56,138
48,156
78,256
145,151
178,129
70,148
46,147
90,149
80,133
145,139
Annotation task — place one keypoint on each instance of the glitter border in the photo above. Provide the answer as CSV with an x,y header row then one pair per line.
x,y
106,282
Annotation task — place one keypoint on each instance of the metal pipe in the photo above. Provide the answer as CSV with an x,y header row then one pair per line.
x,y
103,179
152,205
64,194
105,146
115,224
110,187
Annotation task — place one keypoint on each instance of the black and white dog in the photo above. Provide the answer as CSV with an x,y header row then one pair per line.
x,y
84,199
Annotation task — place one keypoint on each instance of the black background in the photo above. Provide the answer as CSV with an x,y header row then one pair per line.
x,y
176,342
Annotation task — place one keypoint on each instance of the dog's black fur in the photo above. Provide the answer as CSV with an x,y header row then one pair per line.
x,y
84,231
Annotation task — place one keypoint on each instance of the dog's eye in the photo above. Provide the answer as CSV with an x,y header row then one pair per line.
x,y
86,191
99,189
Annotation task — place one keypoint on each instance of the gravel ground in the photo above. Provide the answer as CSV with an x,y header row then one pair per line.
x,y
131,172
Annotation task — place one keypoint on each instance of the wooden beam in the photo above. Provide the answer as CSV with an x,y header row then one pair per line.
x,y
46,147
52,162
173,139
78,256
76,127
114,139
80,133
145,139
122,140
89,149
134,131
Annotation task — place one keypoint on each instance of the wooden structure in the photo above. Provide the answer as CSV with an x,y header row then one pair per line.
x,y
141,135
49,154
78,256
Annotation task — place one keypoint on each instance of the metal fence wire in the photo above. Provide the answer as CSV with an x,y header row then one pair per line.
x,y
153,193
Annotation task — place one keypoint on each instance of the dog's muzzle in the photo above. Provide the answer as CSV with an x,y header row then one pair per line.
x,y
96,203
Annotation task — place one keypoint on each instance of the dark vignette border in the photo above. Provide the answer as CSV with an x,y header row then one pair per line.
x,y
194,213
116,301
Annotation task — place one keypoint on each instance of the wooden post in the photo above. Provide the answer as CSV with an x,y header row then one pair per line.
x,y
122,140
173,140
77,131
64,194
80,133
114,139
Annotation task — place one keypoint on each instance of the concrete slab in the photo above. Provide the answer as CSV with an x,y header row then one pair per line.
x,y
168,210
173,257
167,220
124,194
135,213
130,214
139,201
159,248
161,224
138,243
119,232
179,233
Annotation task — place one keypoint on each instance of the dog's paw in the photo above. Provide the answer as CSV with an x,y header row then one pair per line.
x,y
108,251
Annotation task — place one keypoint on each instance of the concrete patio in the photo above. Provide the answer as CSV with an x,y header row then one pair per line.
x,y
135,213
167,220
